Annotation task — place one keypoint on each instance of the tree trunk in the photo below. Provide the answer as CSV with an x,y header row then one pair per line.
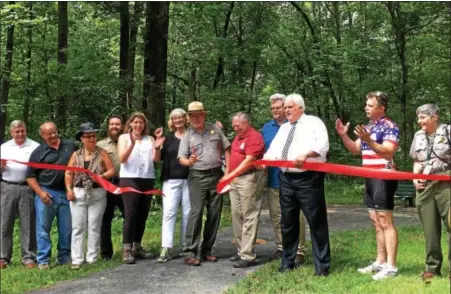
x,y
134,27
192,84
63,31
220,67
26,108
155,61
399,28
123,54
4,92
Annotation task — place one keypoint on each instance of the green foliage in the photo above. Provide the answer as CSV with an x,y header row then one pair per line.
x,y
333,53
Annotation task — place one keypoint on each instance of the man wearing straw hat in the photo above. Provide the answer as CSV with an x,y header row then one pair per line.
x,y
201,148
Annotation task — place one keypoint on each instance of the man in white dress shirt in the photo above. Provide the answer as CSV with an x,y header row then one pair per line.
x,y
17,197
303,138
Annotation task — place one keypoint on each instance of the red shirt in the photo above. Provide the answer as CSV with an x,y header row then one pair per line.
x,y
249,143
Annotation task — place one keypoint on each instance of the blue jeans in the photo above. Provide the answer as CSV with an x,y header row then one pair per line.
x,y
44,219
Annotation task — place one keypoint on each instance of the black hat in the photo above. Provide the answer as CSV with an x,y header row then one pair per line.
x,y
85,128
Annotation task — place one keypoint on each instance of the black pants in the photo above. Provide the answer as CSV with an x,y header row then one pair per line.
x,y
304,191
136,209
112,201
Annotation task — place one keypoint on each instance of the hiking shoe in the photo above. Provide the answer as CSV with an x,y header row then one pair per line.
x,y
164,256
127,257
75,266
241,263
386,272
236,257
371,269
277,255
43,266
140,253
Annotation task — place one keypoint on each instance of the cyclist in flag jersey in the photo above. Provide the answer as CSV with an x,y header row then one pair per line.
x,y
377,143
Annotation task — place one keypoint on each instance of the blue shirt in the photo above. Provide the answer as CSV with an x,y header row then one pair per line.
x,y
269,131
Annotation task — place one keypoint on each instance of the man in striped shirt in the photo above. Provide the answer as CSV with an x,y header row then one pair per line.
x,y
377,142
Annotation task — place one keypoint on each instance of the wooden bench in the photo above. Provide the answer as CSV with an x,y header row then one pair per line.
x,y
405,193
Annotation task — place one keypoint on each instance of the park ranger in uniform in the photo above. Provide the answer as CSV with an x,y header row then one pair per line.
x,y
201,148
431,153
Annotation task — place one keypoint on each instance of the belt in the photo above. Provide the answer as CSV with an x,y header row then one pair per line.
x,y
252,170
211,170
24,183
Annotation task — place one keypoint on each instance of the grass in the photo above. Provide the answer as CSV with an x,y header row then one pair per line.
x,y
351,250
17,279
343,191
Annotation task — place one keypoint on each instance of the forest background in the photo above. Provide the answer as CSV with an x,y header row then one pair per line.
x,y
72,62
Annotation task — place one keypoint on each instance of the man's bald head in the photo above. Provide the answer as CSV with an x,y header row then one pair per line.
x,y
49,133
48,125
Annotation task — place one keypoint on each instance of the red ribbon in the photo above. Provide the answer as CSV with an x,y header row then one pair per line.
x,y
341,169
108,186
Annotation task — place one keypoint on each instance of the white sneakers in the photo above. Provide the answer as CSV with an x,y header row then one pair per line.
x,y
379,271
386,272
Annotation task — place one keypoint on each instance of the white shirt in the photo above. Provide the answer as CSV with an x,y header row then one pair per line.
x,y
310,135
140,162
16,172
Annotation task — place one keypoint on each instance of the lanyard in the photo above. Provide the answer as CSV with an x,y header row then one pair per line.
x,y
430,148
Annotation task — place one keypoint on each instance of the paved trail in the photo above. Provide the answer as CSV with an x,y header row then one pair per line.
x,y
175,277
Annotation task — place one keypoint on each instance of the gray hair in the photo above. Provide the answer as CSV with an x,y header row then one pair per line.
x,y
177,112
242,115
297,99
46,123
276,97
428,109
16,123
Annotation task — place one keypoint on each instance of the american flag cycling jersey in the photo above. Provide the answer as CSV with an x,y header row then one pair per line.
x,y
382,130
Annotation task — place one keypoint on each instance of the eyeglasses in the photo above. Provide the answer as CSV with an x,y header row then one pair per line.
x,y
276,108
89,136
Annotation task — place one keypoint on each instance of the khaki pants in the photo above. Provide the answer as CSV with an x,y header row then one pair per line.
x,y
275,213
246,200
433,205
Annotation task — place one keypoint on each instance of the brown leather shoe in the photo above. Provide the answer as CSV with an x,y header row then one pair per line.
x,y
192,261
277,255
210,258
3,264
30,265
427,276
299,260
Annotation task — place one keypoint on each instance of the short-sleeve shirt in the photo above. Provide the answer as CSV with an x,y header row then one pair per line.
x,y
53,179
382,130
269,132
208,145
250,143
111,147
435,145
16,172
172,169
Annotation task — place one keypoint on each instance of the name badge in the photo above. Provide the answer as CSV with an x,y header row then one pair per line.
x,y
242,146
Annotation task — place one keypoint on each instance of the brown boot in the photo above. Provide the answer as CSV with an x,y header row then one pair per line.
x,y
127,257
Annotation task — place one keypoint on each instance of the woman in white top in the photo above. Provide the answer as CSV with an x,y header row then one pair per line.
x,y
137,152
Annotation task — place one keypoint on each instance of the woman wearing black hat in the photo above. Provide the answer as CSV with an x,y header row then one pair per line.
x,y
87,198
